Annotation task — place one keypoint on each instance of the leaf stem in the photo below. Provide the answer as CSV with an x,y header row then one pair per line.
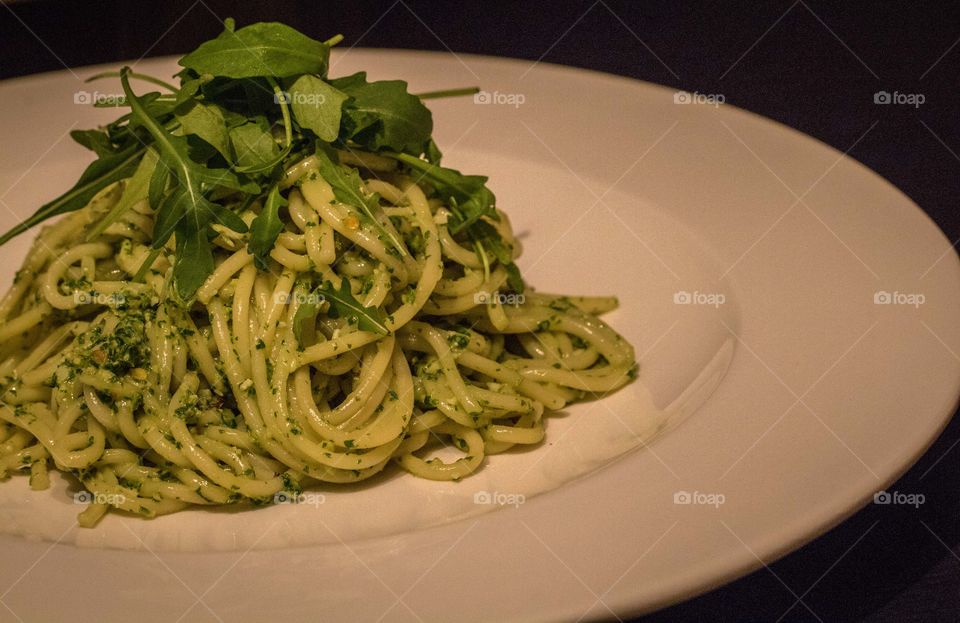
x,y
429,95
133,74
147,263
281,98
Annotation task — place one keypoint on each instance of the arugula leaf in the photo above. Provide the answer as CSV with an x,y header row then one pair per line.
x,y
262,49
467,194
344,305
266,227
253,144
486,235
383,115
135,190
157,189
98,141
152,104
305,313
348,189
187,200
206,122
432,153
188,89
185,209
317,106
101,173
193,259
514,279
470,200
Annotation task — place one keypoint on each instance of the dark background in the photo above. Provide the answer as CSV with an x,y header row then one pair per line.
x,y
805,64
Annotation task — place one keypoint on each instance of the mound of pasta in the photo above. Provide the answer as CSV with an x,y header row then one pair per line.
x,y
246,299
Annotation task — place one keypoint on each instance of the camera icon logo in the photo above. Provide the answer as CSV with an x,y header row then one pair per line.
x,y
482,497
482,97
682,298
882,97
82,497
882,497
682,497
882,298
682,97
284,497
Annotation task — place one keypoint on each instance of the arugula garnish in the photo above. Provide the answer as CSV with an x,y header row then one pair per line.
x,y
263,49
106,170
344,305
470,201
317,106
266,227
250,103
348,188
205,121
135,190
185,207
307,312
383,115
467,195
97,141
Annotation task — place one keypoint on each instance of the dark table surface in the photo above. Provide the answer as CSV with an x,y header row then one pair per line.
x,y
811,65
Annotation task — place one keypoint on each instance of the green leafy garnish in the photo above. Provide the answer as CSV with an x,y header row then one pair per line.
x,y
344,305
253,145
383,115
266,227
348,188
264,49
97,141
307,312
135,191
317,106
467,194
185,208
106,170
206,122
251,103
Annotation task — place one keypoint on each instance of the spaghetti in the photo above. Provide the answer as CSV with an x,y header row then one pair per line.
x,y
255,389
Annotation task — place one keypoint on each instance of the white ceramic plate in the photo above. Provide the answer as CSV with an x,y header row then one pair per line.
x,y
753,265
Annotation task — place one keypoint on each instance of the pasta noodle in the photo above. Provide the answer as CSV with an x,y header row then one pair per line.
x,y
254,389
